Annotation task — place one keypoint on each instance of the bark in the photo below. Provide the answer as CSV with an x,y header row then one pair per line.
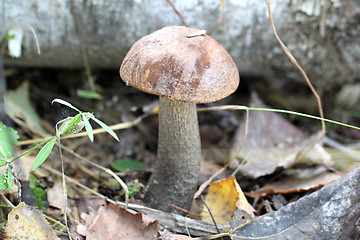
x,y
177,167
323,35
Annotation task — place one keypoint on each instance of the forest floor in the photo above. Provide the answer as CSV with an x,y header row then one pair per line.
x,y
271,177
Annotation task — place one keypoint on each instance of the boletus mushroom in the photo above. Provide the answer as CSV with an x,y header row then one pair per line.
x,y
183,66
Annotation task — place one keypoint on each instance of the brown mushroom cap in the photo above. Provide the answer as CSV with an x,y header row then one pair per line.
x,y
170,64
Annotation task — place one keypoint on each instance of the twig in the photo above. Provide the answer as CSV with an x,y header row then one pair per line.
x,y
217,236
212,217
294,61
8,202
174,222
107,170
221,16
184,210
64,187
73,181
177,12
82,47
206,183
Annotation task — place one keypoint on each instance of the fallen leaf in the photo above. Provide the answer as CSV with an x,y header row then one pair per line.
x,y
55,197
291,184
23,167
329,213
116,223
18,105
223,198
26,222
8,139
88,206
273,142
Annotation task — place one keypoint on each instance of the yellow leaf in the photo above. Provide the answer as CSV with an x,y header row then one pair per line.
x,y
26,222
223,198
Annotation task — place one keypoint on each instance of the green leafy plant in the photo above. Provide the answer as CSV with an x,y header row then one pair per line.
x,y
39,192
8,138
68,126
134,188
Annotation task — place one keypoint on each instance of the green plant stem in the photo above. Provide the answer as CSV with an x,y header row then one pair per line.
x,y
304,115
31,149
237,107
55,221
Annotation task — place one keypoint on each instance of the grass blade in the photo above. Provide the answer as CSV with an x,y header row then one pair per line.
x,y
10,179
63,102
104,126
3,182
44,153
88,127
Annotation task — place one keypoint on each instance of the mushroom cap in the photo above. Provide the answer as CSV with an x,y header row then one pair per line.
x,y
171,64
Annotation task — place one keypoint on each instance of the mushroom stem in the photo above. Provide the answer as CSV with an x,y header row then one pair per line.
x,y
177,167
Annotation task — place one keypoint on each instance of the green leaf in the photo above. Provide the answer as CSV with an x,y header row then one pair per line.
x,y
10,179
124,164
88,127
88,94
2,162
63,102
104,126
3,182
8,139
7,37
70,125
44,153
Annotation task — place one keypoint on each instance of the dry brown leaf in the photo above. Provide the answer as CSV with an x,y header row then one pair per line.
x,y
55,196
116,223
273,142
26,222
88,206
23,166
223,198
293,184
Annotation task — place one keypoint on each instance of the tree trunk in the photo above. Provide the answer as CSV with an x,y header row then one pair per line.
x,y
323,35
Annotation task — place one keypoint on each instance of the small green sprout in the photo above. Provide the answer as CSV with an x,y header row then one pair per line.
x,y
68,126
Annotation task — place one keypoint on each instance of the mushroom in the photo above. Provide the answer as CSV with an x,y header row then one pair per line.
x,y
183,66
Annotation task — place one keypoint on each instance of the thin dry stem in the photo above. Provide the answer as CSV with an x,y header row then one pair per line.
x,y
73,181
82,47
217,236
220,19
294,61
206,183
177,12
64,189
7,201
107,170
